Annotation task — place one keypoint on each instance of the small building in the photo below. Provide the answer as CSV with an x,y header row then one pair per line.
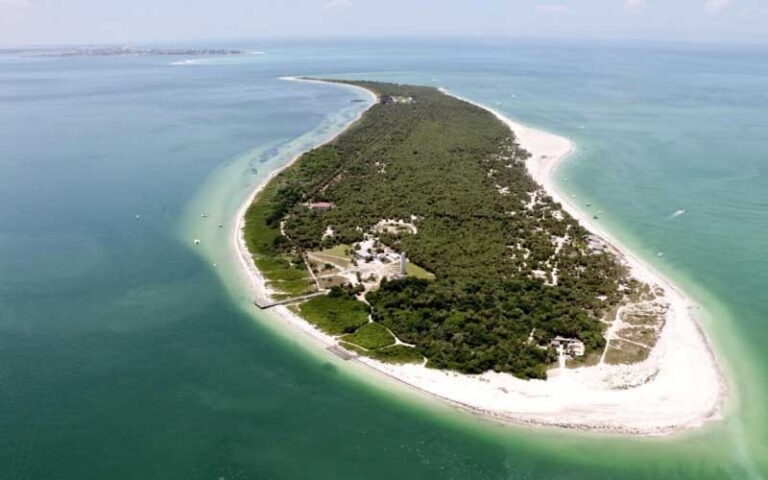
x,y
391,99
321,206
595,243
571,346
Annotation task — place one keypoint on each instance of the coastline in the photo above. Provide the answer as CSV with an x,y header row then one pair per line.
x,y
681,384
258,285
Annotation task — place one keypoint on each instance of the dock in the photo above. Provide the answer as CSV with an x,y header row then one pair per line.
x,y
266,303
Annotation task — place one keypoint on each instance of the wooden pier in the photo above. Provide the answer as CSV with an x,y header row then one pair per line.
x,y
265,303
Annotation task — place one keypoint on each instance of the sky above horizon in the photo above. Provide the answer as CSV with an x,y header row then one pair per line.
x,y
36,22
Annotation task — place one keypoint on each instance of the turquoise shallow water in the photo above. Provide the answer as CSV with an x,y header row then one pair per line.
x,y
124,353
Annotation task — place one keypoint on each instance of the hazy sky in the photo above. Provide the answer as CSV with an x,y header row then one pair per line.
x,y
124,21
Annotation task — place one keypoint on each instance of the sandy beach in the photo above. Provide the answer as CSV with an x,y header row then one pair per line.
x,y
678,387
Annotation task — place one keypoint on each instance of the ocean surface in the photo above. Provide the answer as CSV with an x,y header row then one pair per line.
x,y
127,352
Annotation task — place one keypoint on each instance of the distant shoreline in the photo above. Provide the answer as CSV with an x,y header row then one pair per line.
x,y
684,386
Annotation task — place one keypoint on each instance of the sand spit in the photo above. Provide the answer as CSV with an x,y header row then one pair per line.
x,y
678,387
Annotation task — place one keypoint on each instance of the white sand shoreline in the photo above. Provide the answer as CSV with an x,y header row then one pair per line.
x,y
685,389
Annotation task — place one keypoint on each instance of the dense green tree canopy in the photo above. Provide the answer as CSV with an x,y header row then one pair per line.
x,y
508,260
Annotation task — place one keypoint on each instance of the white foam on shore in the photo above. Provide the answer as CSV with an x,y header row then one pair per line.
x,y
684,386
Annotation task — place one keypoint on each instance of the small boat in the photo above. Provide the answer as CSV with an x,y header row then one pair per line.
x,y
196,241
204,215
596,217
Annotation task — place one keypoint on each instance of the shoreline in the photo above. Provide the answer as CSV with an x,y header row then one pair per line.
x,y
683,384
258,285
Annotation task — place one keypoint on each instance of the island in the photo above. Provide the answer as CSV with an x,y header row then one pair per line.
x,y
427,241
126,50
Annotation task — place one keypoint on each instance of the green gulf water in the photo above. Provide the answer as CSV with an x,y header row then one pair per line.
x,y
125,353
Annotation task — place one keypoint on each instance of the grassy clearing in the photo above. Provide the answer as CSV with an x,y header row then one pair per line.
x,y
371,336
321,266
338,255
281,274
338,251
396,354
335,314
321,259
288,280
344,315
413,270
352,347
332,281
